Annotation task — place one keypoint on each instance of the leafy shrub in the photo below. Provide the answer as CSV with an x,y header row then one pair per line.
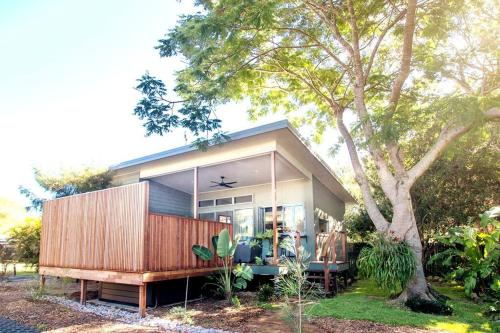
x,y
180,313
388,261
235,301
418,304
265,293
473,254
229,278
26,240
35,293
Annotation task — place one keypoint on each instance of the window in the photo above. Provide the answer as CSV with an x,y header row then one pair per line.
x,y
207,216
224,217
290,218
224,201
205,203
243,199
243,222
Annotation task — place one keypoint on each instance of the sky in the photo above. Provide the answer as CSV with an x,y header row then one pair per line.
x,y
67,76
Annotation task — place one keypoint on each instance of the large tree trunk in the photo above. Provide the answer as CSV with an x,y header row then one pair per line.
x,y
404,226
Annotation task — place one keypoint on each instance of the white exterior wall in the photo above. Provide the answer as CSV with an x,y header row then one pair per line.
x,y
327,206
287,193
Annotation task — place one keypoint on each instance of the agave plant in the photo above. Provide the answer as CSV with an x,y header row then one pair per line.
x,y
230,278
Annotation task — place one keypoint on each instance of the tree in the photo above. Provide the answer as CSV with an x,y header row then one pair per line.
x,y
26,239
461,184
402,68
67,182
10,214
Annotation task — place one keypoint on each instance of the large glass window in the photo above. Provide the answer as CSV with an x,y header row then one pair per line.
x,y
224,217
290,218
243,224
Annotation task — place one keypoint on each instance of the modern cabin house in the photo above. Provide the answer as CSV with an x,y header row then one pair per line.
x,y
141,231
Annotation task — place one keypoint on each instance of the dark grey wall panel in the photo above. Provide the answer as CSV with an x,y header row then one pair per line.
x,y
166,200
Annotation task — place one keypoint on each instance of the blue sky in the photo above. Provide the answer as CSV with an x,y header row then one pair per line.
x,y
67,72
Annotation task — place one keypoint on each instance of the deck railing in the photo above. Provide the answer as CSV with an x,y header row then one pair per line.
x,y
112,230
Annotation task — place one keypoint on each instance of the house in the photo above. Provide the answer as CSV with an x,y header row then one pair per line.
x,y
141,231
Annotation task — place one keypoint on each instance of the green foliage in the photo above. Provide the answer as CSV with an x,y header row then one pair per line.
x,y
235,301
68,182
473,254
202,252
225,246
259,261
229,278
294,283
389,262
365,301
7,254
11,214
464,182
265,293
26,240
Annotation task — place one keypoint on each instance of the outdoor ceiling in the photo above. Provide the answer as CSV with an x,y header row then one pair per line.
x,y
246,172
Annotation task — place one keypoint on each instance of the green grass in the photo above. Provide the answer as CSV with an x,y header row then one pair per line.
x,y
365,302
21,269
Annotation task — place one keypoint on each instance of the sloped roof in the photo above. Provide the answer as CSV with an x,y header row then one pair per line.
x,y
271,127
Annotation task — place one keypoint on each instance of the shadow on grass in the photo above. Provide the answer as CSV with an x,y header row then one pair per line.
x,y
364,301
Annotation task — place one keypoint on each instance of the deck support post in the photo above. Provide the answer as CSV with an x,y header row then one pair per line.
x,y
83,292
142,300
274,207
344,246
42,282
195,193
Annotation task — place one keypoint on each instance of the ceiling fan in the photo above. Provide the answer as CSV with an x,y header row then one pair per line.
x,y
223,183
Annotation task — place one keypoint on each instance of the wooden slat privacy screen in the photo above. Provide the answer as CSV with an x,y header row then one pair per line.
x,y
101,230
171,239
112,230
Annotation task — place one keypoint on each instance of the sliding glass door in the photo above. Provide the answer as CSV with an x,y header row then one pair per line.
x,y
243,222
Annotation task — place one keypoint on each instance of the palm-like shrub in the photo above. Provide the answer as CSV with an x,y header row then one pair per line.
x,y
229,278
473,254
390,262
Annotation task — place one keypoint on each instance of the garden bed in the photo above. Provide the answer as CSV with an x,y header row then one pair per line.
x,y
357,310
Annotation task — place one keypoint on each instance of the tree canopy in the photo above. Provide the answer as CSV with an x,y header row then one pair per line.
x,y
67,182
405,72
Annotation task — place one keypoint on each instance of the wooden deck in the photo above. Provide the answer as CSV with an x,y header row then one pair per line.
x,y
314,266
111,236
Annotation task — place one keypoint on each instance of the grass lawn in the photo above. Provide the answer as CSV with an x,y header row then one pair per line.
x,y
21,269
364,301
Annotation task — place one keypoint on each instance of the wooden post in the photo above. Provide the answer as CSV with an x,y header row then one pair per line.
x,y
187,289
142,300
344,246
274,207
83,292
195,193
42,282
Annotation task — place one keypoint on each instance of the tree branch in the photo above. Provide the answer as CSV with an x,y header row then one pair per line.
x,y
447,136
371,206
406,56
379,41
